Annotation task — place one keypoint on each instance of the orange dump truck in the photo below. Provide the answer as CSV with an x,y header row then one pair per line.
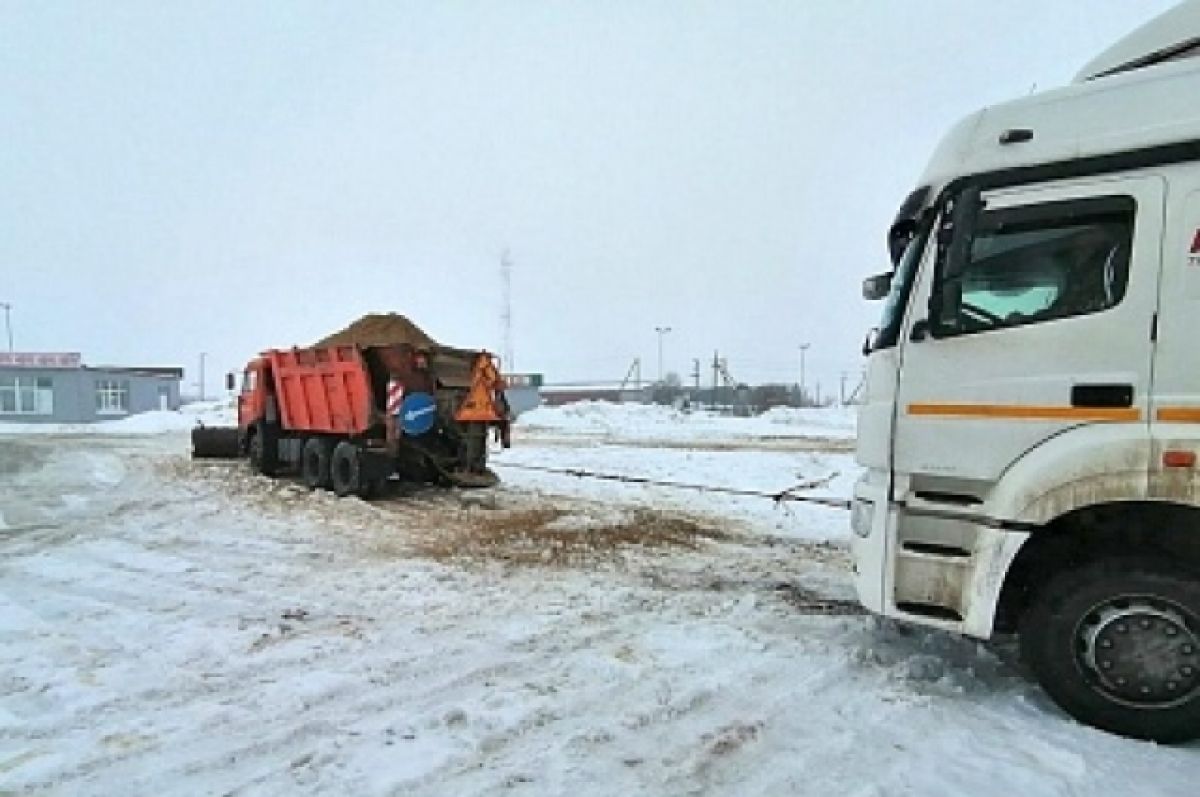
x,y
348,417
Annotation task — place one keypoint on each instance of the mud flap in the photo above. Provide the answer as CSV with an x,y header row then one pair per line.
x,y
468,480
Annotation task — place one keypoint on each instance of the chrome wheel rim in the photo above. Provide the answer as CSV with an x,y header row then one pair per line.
x,y
1140,651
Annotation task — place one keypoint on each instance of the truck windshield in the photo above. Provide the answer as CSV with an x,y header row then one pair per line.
x,y
897,298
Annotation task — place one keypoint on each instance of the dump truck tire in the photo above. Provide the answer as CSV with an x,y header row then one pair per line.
x,y
314,463
215,442
346,473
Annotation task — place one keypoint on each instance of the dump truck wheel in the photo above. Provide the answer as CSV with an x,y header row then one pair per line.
x,y
346,471
1116,644
263,450
314,463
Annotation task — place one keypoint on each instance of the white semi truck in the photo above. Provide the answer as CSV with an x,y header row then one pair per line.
x,y
1030,427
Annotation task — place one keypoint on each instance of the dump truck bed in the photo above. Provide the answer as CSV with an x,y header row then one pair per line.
x,y
335,389
325,389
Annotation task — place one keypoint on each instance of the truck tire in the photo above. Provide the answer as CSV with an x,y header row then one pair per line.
x,y
314,463
346,471
1116,644
263,449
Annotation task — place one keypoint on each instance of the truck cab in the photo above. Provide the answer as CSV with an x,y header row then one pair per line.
x,y
1030,427
251,400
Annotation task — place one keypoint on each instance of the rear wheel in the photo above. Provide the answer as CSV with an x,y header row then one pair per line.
x,y
1116,644
314,463
346,471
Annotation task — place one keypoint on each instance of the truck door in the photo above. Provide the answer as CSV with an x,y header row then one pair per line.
x,y
1032,315
250,400
1176,444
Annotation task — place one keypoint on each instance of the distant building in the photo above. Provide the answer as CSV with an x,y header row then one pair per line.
x,y
523,392
557,395
59,388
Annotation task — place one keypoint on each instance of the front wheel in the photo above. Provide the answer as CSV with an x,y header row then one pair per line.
x,y
263,449
1116,644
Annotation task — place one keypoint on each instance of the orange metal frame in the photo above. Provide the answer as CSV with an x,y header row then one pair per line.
x,y
482,402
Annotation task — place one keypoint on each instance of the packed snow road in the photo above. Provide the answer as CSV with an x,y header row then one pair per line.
x,y
169,627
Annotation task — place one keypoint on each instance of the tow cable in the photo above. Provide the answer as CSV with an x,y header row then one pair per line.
x,y
790,494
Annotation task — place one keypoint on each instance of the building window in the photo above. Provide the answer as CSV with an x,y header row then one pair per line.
x,y
26,395
112,397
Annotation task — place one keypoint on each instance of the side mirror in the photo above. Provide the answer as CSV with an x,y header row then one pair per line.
x,y
877,287
871,340
230,381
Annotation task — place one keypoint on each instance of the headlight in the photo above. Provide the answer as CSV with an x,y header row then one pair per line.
x,y
861,515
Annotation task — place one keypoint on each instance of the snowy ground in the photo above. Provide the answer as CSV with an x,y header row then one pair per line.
x,y
168,627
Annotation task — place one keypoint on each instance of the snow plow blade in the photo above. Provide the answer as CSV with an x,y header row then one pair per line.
x,y
215,442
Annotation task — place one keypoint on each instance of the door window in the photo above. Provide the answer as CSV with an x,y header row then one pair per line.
x,y
1037,263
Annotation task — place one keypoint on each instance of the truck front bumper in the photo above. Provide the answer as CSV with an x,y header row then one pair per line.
x,y
868,539
942,571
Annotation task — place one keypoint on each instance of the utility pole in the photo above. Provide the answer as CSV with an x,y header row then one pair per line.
x,y
862,381
803,390
662,331
8,323
634,373
696,373
716,366
842,390
202,356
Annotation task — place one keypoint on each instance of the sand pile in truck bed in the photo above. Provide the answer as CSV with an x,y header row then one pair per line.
x,y
380,329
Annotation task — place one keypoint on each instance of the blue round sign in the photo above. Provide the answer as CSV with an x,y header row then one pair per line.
x,y
417,414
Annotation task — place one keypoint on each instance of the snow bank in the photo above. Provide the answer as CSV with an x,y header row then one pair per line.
x,y
648,421
207,413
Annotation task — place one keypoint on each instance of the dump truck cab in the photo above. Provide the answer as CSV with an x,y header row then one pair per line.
x,y
252,397
1030,426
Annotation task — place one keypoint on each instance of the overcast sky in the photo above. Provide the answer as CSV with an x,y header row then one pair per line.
x,y
226,177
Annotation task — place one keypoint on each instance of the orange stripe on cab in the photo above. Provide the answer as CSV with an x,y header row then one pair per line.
x,y
1025,412
1178,414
